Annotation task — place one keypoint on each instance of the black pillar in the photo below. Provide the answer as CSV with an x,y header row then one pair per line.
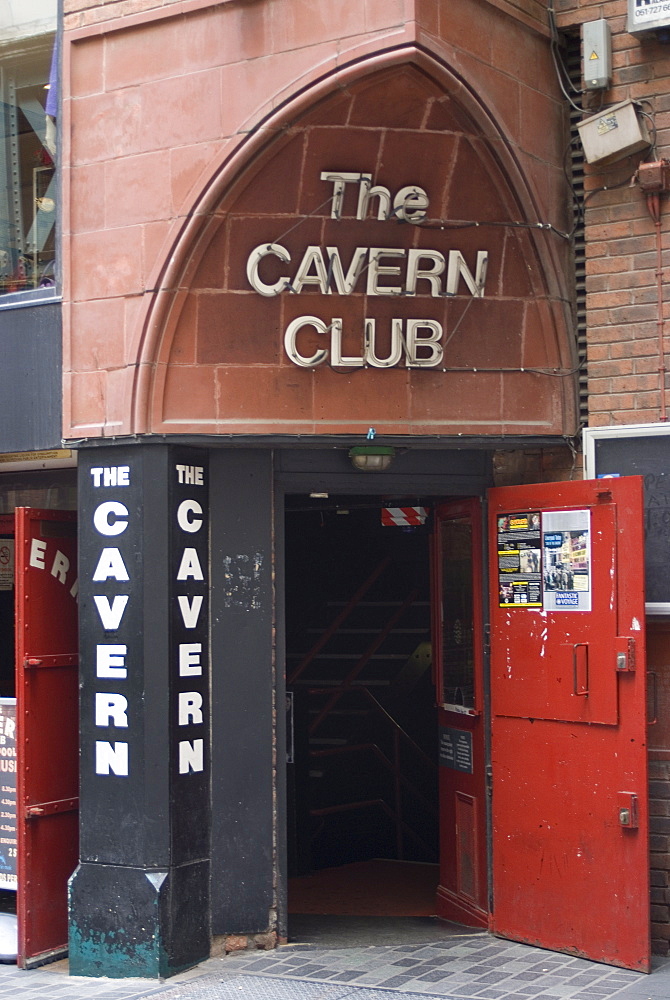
x,y
140,898
244,764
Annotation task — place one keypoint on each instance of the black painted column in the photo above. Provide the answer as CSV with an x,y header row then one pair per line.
x,y
139,900
244,768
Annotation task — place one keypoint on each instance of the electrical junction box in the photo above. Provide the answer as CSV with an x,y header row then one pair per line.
x,y
612,134
648,15
597,55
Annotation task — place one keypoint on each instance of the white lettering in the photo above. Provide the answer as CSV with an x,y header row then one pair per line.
x,y
191,756
396,344
189,659
253,262
339,182
366,192
427,265
190,566
111,710
431,274
290,341
110,660
60,566
410,204
118,475
191,475
336,357
459,269
418,339
376,269
186,523
37,550
111,613
110,566
102,515
312,258
190,708
345,284
416,345
111,757
190,613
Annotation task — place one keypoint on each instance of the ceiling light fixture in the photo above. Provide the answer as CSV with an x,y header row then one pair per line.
x,y
371,457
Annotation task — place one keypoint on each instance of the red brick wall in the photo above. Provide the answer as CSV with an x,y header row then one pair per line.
x,y
623,347
621,262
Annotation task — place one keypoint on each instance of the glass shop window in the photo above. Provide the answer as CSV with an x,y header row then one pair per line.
x,y
28,129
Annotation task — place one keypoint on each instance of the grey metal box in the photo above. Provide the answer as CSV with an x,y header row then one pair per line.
x,y
597,54
612,134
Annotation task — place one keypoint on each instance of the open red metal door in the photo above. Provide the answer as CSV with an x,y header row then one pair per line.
x,y
47,727
568,743
462,894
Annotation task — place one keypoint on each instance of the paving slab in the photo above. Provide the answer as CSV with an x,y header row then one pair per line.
x,y
474,966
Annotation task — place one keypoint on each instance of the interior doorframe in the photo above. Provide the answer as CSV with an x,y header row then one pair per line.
x,y
442,475
475,509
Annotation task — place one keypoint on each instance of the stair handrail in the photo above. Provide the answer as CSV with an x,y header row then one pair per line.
x,y
383,711
383,758
339,619
366,803
362,662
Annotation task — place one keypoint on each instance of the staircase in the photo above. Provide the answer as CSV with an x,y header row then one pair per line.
x,y
366,775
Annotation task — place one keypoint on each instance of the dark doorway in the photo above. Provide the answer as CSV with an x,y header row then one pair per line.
x,y
362,772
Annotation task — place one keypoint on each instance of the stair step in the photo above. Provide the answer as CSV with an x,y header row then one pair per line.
x,y
345,713
370,631
349,656
377,604
336,682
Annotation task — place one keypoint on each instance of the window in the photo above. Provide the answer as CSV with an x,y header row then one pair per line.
x,y
28,114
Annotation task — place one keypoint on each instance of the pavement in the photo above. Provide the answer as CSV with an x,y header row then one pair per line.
x,y
414,962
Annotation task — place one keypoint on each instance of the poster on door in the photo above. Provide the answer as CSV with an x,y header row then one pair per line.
x,y
6,563
566,543
8,793
520,560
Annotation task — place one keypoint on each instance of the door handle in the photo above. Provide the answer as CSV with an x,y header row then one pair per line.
x,y
581,691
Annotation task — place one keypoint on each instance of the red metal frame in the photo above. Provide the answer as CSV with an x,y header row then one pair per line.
x,y
47,729
462,894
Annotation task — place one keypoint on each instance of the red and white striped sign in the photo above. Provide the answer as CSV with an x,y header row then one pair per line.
x,y
404,515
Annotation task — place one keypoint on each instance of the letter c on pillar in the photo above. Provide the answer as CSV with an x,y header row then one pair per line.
x,y
103,514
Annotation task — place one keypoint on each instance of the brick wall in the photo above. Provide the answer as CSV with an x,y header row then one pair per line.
x,y
621,258
659,825
624,358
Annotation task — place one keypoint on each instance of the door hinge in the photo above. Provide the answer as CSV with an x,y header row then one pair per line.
x,y
487,640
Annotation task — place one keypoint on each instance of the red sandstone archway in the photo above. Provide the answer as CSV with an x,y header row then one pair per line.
x,y
216,350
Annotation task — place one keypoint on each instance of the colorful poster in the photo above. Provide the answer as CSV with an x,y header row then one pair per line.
x,y
520,560
8,858
566,543
6,563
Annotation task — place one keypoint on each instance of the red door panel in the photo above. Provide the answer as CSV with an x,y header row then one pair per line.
x,y
568,742
47,727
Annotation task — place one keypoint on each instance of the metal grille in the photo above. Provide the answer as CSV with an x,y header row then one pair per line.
x,y
266,988
575,170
